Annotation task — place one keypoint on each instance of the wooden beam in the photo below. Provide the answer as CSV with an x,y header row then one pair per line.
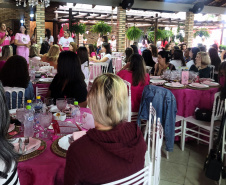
x,y
70,18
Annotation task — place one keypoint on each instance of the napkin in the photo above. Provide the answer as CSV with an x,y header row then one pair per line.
x,y
77,135
197,85
32,143
208,83
11,127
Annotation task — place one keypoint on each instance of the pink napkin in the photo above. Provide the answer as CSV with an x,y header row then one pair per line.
x,y
155,77
32,143
197,85
77,135
175,84
11,127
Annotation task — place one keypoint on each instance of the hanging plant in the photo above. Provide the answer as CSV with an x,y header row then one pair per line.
x,y
160,34
101,27
78,28
202,32
180,37
133,33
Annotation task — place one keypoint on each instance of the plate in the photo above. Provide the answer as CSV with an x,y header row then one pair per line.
x,y
200,86
54,109
63,142
206,79
11,128
211,84
174,85
155,77
157,82
46,80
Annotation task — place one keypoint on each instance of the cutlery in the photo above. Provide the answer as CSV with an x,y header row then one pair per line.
x,y
20,146
26,142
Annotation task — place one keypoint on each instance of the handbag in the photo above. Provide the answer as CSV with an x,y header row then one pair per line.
x,y
213,165
203,114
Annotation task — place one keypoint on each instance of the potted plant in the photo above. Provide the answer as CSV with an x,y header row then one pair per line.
x,y
133,33
160,34
101,27
202,32
78,28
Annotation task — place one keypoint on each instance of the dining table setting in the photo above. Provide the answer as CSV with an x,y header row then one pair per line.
x,y
55,127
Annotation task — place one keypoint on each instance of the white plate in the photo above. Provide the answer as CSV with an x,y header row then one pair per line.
x,y
203,86
45,80
212,84
155,77
158,81
176,85
54,109
63,142
11,128
206,79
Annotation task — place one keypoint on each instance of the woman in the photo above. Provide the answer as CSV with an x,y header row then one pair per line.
x,y
52,56
65,41
73,47
193,52
136,44
104,39
8,157
44,48
84,59
91,51
118,147
137,76
113,43
187,58
154,51
147,55
222,79
7,51
128,52
135,49
15,74
164,43
34,37
107,51
201,65
34,53
69,80
163,63
144,43
48,37
22,41
178,59
215,61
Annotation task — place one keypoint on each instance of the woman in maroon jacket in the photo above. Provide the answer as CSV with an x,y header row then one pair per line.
x,y
114,149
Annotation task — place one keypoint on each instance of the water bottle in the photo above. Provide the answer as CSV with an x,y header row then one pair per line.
x,y
77,112
32,73
28,122
38,104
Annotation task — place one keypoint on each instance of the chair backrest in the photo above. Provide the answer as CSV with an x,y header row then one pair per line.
x,y
218,108
129,100
17,90
41,91
212,69
98,69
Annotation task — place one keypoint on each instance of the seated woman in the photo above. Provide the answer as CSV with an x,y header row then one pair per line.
x,y
8,157
44,48
222,79
69,80
91,51
7,51
163,63
52,56
137,76
34,53
118,147
84,59
15,74
193,52
73,47
215,61
178,59
128,52
147,55
201,65
154,51
104,49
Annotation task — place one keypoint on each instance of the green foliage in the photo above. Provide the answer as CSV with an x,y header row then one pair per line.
x,y
222,47
160,34
180,37
78,28
101,27
202,32
133,33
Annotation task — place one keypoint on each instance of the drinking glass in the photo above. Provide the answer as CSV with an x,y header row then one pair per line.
x,y
20,116
84,115
49,102
45,121
61,104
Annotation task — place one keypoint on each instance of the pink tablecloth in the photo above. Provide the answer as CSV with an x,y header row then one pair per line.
x,y
45,169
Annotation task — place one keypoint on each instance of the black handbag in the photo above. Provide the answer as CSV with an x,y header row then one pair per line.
x,y
203,114
213,165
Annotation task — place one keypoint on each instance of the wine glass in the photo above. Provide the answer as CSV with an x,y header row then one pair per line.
x,y
20,116
84,115
61,104
45,121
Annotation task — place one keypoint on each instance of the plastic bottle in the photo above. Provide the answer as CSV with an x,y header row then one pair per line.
x,y
28,122
77,112
38,104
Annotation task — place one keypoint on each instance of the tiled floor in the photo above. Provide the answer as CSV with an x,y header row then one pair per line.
x,y
185,167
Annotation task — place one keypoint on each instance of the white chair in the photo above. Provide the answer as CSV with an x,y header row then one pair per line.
x,y
217,112
212,70
17,90
223,151
41,91
98,69
178,129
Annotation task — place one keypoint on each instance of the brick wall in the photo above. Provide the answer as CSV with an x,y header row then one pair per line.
x,y
40,23
121,29
189,24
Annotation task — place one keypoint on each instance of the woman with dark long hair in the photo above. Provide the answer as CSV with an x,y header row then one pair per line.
x,y
69,80
215,61
147,55
8,157
128,52
91,51
178,59
22,40
107,51
135,49
193,52
15,74
154,51
48,37
137,76
84,59
44,48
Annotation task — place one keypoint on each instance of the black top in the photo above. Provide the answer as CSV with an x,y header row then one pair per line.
x,y
203,73
73,89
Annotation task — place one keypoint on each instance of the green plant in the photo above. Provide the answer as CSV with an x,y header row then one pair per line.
x,y
160,34
78,28
101,27
133,33
202,32
180,37
222,47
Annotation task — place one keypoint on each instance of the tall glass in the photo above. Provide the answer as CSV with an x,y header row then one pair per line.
x,y
45,121
20,116
61,104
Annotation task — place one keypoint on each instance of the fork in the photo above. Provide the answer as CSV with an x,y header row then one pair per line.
x,y
26,142
70,140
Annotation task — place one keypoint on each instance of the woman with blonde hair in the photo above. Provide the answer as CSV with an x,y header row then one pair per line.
x,y
73,47
34,53
117,146
202,61
7,51
52,56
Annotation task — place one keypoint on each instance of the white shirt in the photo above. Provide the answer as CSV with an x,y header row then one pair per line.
x,y
113,45
109,58
189,64
49,40
65,42
99,42
85,70
155,59
176,63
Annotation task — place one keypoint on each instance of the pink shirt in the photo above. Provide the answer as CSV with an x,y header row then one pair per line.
x,y
92,54
22,38
6,41
2,64
136,91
